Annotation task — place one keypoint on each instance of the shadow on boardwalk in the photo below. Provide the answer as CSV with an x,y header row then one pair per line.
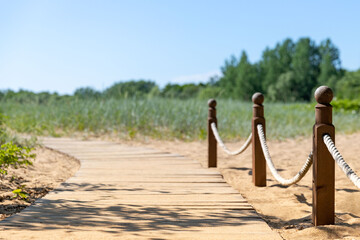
x,y
137,193
116,217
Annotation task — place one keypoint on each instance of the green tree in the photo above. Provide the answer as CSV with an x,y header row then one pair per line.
x,y
227,81
305,64
276,62
349,86
285,51
247,81
171,91
181,91
270,69
330,64
210,92
87,93
131,88
284,89
154,92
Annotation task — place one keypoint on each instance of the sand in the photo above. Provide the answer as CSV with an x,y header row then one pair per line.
x,y
49,169
286,209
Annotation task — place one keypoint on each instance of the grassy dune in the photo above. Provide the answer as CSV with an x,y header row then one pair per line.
x,y
163,118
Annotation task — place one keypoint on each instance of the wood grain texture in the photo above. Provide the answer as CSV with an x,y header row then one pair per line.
x,y
123,192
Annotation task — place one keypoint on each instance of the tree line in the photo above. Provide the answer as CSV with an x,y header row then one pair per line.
x,y
290,71
120,90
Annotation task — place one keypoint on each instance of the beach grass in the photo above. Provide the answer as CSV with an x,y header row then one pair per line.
x,y
165,119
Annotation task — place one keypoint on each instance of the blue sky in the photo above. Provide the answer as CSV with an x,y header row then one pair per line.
x,y
60,45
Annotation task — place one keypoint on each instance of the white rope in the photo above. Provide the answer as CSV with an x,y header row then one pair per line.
x,y
221,143
340,160
281,180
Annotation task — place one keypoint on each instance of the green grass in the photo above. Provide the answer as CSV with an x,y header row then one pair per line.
x,y
7,135
164,118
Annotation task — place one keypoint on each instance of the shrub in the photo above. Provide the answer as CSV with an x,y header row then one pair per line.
x,y
13,155
210,92
346,105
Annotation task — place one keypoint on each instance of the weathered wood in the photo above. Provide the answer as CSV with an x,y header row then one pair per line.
x,y
138,198
324,164
258,158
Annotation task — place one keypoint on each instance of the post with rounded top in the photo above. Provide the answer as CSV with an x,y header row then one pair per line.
x,y
324,165
258,159
212,144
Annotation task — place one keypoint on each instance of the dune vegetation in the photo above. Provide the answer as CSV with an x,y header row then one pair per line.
x,y
163,118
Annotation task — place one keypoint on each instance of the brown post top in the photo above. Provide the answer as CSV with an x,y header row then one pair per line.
x,y
258,98
258,109
323,110
324,95
212,103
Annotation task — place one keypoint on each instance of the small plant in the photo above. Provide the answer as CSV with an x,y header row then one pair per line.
x,y
13,155
20,193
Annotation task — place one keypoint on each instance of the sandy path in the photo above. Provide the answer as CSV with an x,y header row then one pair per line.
x,y
287,210
123,192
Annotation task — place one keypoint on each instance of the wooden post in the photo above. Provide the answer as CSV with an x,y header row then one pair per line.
x,y
212,144
324,164
258,159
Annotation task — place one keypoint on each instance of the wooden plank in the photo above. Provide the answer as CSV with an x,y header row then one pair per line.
x,y
120,188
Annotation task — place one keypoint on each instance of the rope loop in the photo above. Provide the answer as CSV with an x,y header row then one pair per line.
x,y
221,143
286,182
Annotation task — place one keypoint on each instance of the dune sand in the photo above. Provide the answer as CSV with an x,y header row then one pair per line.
x,y
49,169
286,209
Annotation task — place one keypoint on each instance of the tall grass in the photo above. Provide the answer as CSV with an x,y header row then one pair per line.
x,y
6,136
164,118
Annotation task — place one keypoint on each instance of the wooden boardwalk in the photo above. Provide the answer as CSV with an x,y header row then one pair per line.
x,y
123,192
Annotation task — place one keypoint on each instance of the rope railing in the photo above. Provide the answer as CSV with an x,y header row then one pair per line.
x,y
340,161
321,157
285,182
222,145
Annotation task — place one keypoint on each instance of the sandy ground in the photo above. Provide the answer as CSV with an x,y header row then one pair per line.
x,y
49,169
286,209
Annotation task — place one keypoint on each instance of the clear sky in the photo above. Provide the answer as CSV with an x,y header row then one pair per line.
x,y
60,45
